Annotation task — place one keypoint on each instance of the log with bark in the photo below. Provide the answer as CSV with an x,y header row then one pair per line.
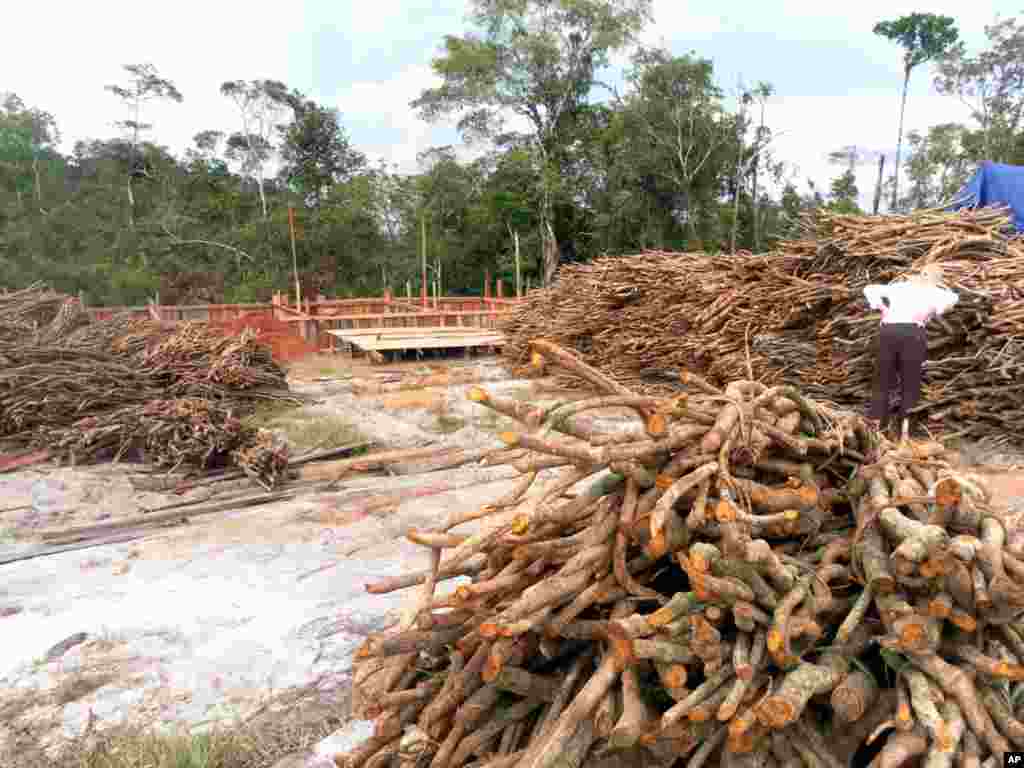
x,y
598,618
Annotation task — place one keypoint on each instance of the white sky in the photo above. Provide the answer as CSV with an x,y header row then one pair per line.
x,y
837,83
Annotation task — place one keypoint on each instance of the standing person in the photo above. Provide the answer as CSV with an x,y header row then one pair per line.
x,y
906,308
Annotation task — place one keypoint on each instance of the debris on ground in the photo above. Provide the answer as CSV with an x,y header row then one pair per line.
x,y
173,396
733,576
798,316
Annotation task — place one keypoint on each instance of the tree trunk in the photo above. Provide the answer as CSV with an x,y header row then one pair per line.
x,y
753,193
263,196
735,216
550,254
740,127
756,206
131,205
878,186
899,144
39,189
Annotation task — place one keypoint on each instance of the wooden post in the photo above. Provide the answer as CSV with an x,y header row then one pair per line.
x,y
487,284
519,277
295,258
408,289
501,289
423,244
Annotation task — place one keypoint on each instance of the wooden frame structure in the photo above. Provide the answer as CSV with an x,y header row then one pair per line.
x,y
372,324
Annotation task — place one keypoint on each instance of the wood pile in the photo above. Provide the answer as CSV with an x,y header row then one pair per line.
x,y
798,315
732,576
121,387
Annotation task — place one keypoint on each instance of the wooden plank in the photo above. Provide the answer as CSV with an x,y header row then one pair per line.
x,y
413,331
399,331
427,342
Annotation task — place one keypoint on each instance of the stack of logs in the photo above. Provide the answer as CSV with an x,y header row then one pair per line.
x,y
798,316
740,575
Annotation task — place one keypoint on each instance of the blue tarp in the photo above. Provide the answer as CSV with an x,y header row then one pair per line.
x,y
995,184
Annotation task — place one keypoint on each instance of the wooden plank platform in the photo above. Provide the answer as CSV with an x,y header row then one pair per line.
x,y
388,339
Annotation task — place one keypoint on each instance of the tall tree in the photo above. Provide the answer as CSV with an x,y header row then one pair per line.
x,y
27,136
923,37
991,84
681,132
317,152
760,93
535,60
144,84
844,193
262,105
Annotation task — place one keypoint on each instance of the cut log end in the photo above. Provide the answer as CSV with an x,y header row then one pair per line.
x,y
478,395
657,425
509,438
621,645
777,712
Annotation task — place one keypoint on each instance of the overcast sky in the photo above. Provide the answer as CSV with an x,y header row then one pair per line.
x,y
837,84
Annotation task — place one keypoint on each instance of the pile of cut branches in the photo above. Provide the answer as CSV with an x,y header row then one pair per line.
x,y
186,431
798,315
24,313
729,577
128,387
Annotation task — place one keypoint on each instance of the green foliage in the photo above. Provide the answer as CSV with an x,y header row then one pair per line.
x,y
316,152
991,83
844,193
667,164
923,36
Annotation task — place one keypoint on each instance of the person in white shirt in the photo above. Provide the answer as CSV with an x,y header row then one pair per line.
x,y
906,308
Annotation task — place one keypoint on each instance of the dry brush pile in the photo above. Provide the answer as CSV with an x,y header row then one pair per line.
x,y
744,572
174,396
798,315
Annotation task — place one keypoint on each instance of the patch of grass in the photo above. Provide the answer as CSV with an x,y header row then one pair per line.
x,y
332,369
292,722
270,412
447,423
520,393
492,421
307,430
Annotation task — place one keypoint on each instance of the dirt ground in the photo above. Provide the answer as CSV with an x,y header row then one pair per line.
x,y
217,619
220,618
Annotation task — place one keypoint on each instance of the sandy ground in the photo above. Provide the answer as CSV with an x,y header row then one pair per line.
x,y
214,619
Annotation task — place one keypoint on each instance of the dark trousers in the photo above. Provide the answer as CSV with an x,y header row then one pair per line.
x,y
902,350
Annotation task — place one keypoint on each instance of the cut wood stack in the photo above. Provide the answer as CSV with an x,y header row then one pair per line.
x,y
123,387
725,580
798,315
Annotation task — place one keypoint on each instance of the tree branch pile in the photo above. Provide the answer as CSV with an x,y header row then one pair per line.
x,y
128,388
718,582
798,315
